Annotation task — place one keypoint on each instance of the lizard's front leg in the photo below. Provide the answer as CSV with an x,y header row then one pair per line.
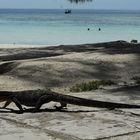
x,y
6,103
18,105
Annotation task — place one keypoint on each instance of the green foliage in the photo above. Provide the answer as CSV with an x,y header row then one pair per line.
x,y
136,79
92,85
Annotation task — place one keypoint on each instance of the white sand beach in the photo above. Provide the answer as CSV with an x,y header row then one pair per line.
x,y
24,67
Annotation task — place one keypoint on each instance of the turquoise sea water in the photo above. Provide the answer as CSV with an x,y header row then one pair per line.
x,y
53,27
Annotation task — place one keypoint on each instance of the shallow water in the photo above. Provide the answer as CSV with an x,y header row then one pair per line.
x,y
52,27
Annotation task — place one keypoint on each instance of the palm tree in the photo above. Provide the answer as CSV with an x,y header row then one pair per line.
x,y
77,1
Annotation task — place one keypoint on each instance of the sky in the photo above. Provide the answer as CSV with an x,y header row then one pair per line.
x,y
64,4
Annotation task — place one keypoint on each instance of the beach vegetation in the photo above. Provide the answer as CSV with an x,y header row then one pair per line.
x,y
136,79
91,85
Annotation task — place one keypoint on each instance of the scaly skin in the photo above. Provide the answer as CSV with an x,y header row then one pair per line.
x,y
36,98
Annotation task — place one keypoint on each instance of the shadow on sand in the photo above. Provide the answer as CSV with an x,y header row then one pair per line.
x,y
31,110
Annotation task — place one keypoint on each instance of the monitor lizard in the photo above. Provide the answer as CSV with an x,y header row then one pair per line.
x,y
36,98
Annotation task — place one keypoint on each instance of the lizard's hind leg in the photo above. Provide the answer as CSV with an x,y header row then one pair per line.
x,y
42,100
63,104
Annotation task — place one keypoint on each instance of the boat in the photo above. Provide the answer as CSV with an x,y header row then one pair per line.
x,y
67,11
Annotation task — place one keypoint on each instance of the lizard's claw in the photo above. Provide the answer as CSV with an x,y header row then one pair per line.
x,y
18,112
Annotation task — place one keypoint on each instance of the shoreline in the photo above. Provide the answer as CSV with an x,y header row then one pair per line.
x,y
14,46
10,46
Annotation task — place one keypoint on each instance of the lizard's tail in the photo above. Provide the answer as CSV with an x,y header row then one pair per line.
x,y
94,103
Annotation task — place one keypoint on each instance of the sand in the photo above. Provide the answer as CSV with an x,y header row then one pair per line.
x,y
24,67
